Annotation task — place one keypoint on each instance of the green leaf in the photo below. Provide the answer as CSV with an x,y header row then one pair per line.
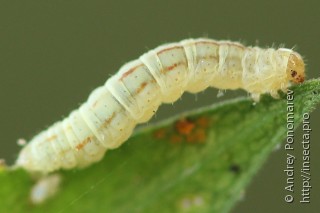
x,y
199,161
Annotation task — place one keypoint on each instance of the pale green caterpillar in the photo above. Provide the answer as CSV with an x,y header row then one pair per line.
x,y
161,75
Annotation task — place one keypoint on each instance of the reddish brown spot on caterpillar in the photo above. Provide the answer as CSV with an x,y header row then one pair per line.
x,y
53,137
300,79
293,73
211,57
108,121
172,67
94,104
129,72
295,68
141,87
168,49
83,143
184,126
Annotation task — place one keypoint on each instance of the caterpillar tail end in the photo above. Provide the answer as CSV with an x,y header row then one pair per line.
x,y
23,160
296,68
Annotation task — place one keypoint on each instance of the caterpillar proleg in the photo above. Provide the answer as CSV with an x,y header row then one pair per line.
x,y
159,76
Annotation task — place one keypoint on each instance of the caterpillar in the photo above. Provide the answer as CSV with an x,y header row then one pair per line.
x,y
133,95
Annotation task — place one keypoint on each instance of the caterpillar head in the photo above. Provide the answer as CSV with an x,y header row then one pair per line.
x,y
295,68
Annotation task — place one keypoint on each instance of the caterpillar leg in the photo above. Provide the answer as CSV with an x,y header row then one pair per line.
x,y
275,94
255,97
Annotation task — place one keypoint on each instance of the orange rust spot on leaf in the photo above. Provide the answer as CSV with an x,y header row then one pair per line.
x,y
191,138
202,122
129,72
176,139
198,136
159,134
184,127
83,143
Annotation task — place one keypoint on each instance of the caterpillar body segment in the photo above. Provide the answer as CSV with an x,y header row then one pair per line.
x,y
159,76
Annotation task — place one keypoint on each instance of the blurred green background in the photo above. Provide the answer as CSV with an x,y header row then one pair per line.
x,y
53,53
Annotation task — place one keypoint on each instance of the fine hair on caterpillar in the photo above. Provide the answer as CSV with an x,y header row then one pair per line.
x,y
135,92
